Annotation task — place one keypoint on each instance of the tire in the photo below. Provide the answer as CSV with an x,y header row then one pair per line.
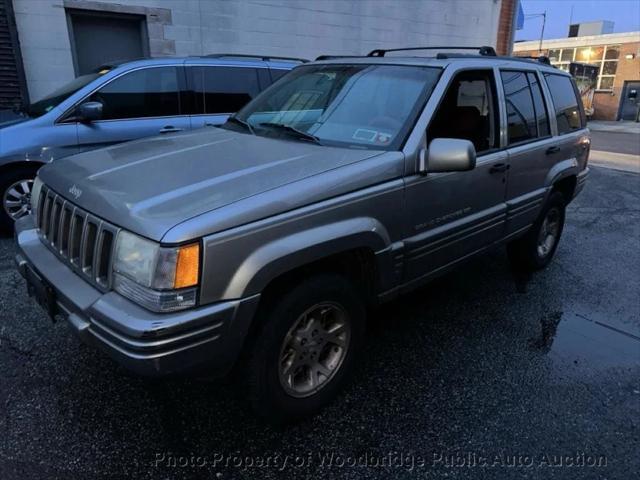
x,y
12,190
277,394
530,252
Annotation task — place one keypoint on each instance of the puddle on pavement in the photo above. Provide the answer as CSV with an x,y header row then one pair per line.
x,y
586,343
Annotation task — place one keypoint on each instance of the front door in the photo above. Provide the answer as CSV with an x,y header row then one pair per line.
x,y
630,102
140,103
454,215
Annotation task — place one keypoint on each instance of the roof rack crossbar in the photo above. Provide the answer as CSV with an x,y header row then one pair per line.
x,y
265,58
485,50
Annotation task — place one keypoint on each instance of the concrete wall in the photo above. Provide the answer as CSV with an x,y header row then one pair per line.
x,y
305,28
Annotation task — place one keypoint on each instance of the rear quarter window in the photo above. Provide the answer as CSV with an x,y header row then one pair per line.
x,y
566,103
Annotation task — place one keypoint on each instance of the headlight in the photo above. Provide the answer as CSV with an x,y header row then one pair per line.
x,y
158,278
35,195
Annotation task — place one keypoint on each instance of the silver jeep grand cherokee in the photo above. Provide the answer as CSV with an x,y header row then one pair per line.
x,y
258,247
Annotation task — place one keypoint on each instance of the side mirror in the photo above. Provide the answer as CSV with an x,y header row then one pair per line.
x,y
89,112
447,155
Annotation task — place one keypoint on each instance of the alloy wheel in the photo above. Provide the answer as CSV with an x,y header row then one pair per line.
x,y
17,198
314,349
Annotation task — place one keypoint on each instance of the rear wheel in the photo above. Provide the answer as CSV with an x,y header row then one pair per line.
x,y
536,248
306,349
15,193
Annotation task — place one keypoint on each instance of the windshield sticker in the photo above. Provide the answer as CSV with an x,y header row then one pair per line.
x,y
365,134
383,138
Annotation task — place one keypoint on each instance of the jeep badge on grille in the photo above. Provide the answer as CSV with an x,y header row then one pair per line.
x,y
75,191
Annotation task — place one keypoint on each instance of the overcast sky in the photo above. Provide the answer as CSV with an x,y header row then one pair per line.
x,y
624,13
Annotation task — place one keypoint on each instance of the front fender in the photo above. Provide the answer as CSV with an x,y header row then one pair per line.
x,y
286,253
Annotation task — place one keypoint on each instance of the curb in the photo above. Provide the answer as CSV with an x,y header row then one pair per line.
x,y
617,161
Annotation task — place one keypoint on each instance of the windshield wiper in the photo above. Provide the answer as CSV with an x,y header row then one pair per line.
x,y
291,130
241,122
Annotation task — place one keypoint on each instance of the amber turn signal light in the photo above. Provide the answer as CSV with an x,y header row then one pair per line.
x,y
187,266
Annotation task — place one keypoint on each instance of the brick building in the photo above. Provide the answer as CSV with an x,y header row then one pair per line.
x,y
617,58
56,40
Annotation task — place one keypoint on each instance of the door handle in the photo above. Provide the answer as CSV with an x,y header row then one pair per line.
x,y
499,168
551,150
170,129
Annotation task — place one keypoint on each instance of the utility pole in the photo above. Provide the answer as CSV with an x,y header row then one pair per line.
x,y
544,21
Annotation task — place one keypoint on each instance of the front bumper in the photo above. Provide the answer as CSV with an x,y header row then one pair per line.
x,y
201,340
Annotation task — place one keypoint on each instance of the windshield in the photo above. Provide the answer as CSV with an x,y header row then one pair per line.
x,y
362,106
52,100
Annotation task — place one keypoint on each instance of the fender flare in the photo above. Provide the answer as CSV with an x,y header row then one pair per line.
x,y
565,168
287,253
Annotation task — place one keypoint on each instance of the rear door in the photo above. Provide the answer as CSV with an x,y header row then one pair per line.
x,y
220,90
531,147
139,103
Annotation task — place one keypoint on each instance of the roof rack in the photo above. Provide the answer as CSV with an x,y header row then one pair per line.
x,y
485,51
333,57
264,58
541,59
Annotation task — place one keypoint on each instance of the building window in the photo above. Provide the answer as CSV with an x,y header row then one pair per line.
x,y
603,57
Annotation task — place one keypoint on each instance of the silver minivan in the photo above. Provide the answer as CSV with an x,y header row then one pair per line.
x,y
256,249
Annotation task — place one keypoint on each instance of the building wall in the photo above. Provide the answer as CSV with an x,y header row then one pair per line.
x,y
303,28
606,102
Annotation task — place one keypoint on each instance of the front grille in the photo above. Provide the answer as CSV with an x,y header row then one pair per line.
x,y
82,241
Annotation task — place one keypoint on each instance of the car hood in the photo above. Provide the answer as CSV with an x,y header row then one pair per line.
x,y
148,186
9,117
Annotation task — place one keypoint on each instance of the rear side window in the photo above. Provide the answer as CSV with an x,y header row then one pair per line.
x,y
538,102
151,92
223,89
565,103
521,113
277,74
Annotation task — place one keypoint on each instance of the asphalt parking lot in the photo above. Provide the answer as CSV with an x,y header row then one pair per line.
x,y
478,375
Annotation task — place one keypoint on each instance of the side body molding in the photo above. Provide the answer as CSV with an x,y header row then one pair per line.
x,y
301,248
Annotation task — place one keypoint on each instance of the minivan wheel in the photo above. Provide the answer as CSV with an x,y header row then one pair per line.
x,y
15,193
536,248
306,348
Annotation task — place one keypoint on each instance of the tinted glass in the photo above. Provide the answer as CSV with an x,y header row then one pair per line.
x,y
151,92
538,103
278,74
565,103
371,106
223,89
521,116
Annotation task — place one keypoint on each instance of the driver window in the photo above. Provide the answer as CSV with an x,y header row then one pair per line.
x,y
150,92
468,111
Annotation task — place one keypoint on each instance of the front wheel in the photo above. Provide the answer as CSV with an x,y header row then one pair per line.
x,y
306,349
15,193
536,248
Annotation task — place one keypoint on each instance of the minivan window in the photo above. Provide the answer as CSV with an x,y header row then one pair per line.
x,y
277,74
565,103
538,102
150,92
521,114
58,96
363,106
223,89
